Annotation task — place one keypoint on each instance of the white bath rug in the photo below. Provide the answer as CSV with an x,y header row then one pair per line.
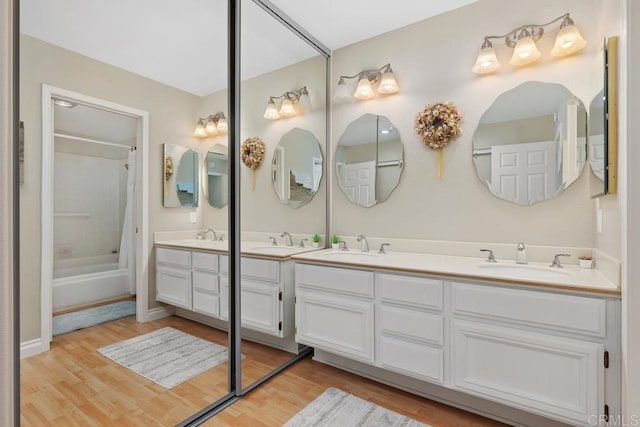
x,y
166,356
65,323
337,408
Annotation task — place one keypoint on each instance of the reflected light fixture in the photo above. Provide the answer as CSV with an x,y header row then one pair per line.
x,y
64,103
293,103
523,41
215,124
381,80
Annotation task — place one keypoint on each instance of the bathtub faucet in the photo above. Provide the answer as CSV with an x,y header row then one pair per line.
x,y
203,235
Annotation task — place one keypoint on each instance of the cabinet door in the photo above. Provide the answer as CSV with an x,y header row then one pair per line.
x,y
206,303
224,297
173,286
260,307
339,325
560,378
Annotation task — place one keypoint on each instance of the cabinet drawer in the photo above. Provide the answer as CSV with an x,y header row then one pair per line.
x,y
415,360
574,314
399,322
254,268
205,261
173,286
173,257
337,325
552,376
205,282
344,281
414,291
206,303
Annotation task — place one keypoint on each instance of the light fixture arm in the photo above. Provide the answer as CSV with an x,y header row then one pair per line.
x,y
372,75
534,30
292,95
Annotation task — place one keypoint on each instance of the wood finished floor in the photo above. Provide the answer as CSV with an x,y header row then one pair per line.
x,y
74,385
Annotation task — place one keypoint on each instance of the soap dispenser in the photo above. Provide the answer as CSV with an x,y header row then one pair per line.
x,y
521,255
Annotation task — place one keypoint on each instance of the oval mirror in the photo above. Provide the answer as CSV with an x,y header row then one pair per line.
x,y
180,177
597,153
296,168
369,160
216,165
531,143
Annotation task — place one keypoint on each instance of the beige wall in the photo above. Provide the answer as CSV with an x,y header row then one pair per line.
x,y
171,113
6,220
262,210
432,60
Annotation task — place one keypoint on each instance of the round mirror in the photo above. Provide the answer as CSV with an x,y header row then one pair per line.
x,y
180,177
369,160
531,143
216,165
296,168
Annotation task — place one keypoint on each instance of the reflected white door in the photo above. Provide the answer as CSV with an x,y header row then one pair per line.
x,y
524,173
359,182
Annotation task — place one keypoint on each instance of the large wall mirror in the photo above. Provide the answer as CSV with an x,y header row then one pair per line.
x,y
216,183
369,160
531,143
296,168
181,181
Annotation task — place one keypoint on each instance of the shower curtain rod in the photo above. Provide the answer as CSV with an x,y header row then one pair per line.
x,y
93,141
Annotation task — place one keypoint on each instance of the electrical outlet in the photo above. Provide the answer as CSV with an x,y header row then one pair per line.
x,y
599,224
193,217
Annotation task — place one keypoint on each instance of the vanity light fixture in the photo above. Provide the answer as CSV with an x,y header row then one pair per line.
x,y
382,77
215,124
523,41
293,103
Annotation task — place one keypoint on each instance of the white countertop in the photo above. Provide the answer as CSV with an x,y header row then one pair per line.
x,y
570,277
249,248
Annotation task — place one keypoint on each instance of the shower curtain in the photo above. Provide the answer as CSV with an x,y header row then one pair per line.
x,y
127,257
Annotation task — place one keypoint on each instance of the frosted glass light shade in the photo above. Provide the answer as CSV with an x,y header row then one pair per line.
x,y
526,52
342,93
271,113
222,125
364,89
287,109
304,104
568,41
199,131
211,128
388,84
486,62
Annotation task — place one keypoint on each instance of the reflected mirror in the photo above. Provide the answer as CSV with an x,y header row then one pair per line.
x,y
216,184
531,143
296,168
597,153
180,177
369,160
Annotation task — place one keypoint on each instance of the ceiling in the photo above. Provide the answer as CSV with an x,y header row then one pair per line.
x,y
183,43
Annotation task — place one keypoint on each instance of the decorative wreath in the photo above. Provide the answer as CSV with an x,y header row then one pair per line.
x,y
253,152
438,124
168,167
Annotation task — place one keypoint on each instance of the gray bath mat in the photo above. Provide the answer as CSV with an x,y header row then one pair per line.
x,y
166,356
337,408
65,323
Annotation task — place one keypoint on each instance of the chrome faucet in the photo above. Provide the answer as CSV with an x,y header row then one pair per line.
x,y
273,241
301,245
287,238
490,258
364,243
343,245
556,260
203,234
381,250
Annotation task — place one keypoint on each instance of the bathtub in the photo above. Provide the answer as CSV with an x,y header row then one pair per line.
x,y
83,281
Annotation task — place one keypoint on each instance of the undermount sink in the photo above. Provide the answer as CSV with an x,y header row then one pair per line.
x,y
524,271
352,256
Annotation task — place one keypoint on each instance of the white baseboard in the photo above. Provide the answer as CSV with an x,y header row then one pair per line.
x,y
159,313
30,348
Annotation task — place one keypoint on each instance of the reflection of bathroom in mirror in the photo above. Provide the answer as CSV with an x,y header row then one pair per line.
x,y
596,147
217,177
531,143
296,168
369,160
180,177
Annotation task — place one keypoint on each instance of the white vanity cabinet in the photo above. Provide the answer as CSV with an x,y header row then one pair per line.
x,y
528,348
173,277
